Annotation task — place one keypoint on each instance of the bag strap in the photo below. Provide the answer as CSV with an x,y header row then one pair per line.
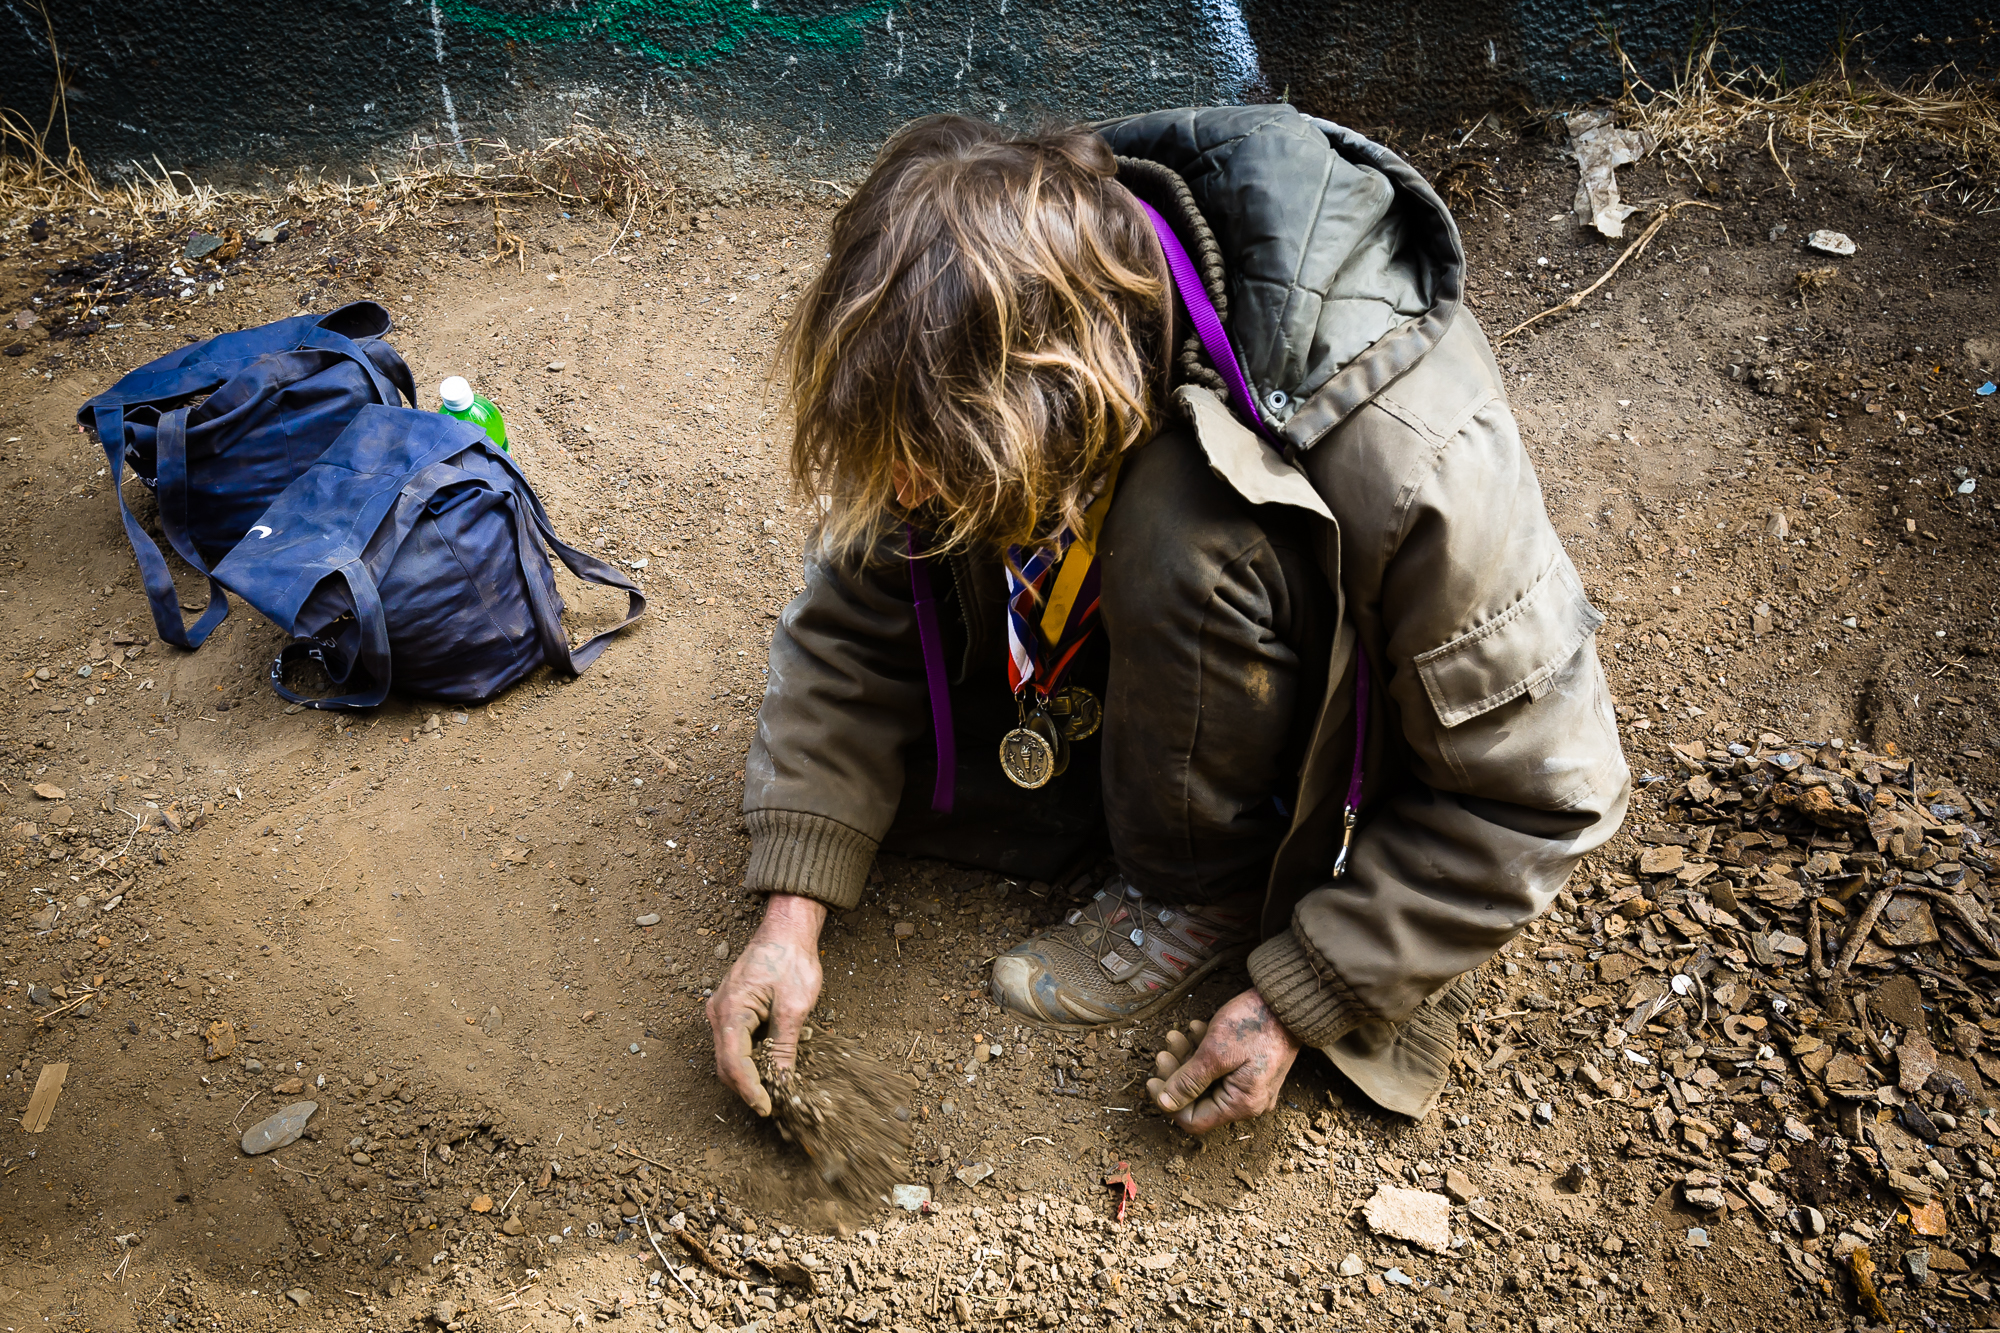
x,y
373,658
541,595
1207,323
386,388
161,593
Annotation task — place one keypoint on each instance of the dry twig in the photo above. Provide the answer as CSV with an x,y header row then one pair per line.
x,y
1575,299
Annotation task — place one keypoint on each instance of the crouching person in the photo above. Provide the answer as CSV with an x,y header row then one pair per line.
x,y
1175,506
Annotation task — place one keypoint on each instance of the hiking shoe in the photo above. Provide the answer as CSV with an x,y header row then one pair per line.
x,y
1119,958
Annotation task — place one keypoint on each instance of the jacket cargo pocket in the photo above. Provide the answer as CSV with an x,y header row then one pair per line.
x,y
1515,654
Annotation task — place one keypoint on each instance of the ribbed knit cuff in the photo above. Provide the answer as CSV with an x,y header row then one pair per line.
x,y
807,855
1312,1001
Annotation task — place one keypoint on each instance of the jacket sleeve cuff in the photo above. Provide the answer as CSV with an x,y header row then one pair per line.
x,y
1308,997
807,855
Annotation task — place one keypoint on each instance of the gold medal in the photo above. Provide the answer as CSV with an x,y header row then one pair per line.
x,y
1077,711
1026,758
1035,751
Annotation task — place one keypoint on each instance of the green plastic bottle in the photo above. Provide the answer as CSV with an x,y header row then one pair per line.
x,y
456,399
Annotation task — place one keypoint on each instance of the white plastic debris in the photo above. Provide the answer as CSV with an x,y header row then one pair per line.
x,y
1601,148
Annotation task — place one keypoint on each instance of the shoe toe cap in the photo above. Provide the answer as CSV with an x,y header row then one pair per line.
x,y
1023,983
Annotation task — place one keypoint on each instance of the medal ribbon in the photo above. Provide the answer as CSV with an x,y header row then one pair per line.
x,y
1045,632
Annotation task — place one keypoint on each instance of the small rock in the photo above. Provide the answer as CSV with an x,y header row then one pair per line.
x,y
1417,1216
493,1021
1398,1277
291,1087
221,1039
1351,1266
253,1066
1458,1187
443,1313
299,1296
1661,860
1906,923
48,791
910,1198
981,1053
558,365
362,1159
1575,1180
722,949
905,929
1830,242
973,1174
41,996
1706,1198
649,919
1698,1237
481,1203
1916,1061
201,243
278,1130
1764,1196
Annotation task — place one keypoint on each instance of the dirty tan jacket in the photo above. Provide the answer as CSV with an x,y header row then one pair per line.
x,y
1492,757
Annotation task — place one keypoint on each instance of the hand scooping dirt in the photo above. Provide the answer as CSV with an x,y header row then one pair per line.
x,y
849,1110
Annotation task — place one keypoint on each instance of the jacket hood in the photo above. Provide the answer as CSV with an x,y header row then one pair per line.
x,y
1338,267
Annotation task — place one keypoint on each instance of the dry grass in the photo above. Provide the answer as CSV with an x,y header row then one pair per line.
x,y
1813,281
589,167
1951,121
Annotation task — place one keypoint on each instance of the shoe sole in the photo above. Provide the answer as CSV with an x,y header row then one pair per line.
x,y
1160,999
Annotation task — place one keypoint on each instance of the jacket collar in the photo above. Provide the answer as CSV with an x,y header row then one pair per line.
x,y
1335,266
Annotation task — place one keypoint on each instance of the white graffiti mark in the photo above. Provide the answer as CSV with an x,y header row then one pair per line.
x,y
450,112
1238,68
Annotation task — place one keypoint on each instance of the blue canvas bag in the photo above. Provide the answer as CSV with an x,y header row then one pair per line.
x,y
411,553
219,428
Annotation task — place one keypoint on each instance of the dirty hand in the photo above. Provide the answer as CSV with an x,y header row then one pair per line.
x,y
1243,1056
775,979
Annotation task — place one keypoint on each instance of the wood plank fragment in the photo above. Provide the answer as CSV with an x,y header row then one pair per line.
x,y
42,1104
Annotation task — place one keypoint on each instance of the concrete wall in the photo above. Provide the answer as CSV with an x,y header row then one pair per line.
x,y
226,87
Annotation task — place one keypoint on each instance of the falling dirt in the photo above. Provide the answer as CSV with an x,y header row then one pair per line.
x,y
849,1111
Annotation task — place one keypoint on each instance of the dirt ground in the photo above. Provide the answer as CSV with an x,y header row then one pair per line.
x,y
425,919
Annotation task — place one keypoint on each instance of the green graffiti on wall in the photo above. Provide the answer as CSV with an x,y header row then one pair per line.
x,y
674,32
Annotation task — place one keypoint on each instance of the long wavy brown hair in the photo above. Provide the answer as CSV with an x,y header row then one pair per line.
x,y
992,323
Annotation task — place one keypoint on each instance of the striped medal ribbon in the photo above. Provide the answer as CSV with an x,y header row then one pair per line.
x,y
1052,596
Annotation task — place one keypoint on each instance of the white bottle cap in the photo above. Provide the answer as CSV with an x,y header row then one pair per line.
x,y
455,393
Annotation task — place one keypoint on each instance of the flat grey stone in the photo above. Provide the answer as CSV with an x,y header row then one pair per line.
x,y
278,1130
650,919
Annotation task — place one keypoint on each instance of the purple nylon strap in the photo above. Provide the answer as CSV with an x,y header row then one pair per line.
x,y
935,679
1215,341
1350,812
1207,324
